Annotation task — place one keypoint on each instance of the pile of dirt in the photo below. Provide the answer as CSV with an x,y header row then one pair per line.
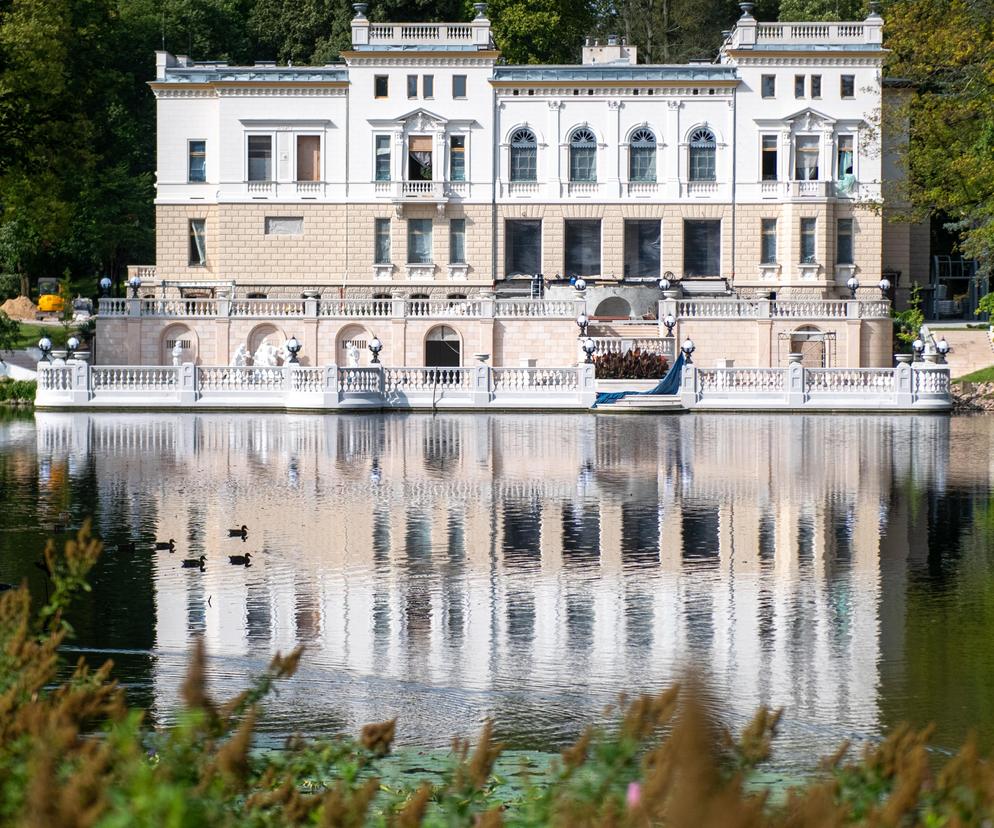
x,y
19,308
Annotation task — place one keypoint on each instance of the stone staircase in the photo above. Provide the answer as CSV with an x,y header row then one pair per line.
x,y
654,403
969,350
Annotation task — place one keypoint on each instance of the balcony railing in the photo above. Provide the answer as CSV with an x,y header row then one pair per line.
x,y
781,309
427,33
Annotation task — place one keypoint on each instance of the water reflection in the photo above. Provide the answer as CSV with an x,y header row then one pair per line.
x,y
449,568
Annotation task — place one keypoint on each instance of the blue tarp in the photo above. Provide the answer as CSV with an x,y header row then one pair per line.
x,y
670,384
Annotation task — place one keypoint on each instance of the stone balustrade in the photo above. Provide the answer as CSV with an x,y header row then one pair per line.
x,y
77,384
810,309
661,345
919,387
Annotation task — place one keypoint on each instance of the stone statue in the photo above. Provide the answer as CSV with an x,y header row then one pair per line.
x,y
177,353
353,355
241,357
265,355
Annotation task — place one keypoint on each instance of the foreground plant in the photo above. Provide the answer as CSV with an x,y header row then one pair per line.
x,y
73,754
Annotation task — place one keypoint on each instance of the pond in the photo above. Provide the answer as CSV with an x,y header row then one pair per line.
x,y
531,568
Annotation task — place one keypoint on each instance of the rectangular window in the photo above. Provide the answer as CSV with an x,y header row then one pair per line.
x,y
806,158
844,161
284,226
419,241
701,247
769,86
381,241
457,158
798,86
642,245
768,241
260,158
808,240
198,242
381,86
816,86
770,172
458,86
428,86
583,247
847,87
843,245
412,86
457,241
522,247
382,158
197,161
308,158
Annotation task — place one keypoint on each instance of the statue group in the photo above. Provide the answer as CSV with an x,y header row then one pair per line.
x,y
267,355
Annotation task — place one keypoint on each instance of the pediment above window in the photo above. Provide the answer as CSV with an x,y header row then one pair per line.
x,y
806,120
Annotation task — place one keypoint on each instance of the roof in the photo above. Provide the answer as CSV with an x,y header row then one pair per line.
x,y
617,72
263,74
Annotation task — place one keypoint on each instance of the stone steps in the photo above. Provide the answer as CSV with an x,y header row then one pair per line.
x,y
645,402
969,350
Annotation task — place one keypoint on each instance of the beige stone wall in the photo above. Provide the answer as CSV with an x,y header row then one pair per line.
x,y
172,241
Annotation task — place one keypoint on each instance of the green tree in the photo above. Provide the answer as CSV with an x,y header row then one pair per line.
x,y
540,31
822,9
310,31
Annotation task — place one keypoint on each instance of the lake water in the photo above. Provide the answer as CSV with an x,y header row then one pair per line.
x,y
532,567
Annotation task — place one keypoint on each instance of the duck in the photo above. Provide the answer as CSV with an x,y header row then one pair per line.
x,y
239,533
240,560
129,546
169,544
195,563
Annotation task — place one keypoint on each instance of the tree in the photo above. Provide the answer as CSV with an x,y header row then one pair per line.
x,y
9,330
540,31
822,10
310,31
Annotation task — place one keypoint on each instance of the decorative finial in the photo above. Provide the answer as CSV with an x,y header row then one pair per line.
x,y
747,10
480,9
874,8
360,10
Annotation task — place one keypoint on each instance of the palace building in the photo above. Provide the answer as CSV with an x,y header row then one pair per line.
x,y
423,192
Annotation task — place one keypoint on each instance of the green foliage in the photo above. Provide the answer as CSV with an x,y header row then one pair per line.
x,y
822,9
908,322
540,31
20,390
986,305
9,330
10,286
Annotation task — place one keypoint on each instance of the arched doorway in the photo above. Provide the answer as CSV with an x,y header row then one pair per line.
x,y
352,348
614,307
809,342
443,348
187,339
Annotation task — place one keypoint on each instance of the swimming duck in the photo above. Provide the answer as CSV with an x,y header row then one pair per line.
x,y
239,533
195,563
169,544
240,560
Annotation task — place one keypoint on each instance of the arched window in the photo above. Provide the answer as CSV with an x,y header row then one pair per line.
x,y
524,151
582,156
642,156
702,155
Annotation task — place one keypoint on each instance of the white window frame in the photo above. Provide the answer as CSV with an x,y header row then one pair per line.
x,y
465,155
372,148
308,133
189,155
465,83
776,139
271,134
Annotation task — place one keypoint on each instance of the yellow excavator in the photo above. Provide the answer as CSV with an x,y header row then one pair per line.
x,y
50,301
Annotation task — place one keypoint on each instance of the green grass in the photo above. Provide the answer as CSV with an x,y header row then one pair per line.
x,y
28,335
983,375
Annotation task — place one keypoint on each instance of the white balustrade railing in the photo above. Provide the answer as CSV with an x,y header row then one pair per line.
x,y
261,308
54,378
808,309
307,380
196,308
849,380
780,309
112,307
134,378
359,380
931,381
717,309
748,380
248,378
536,308
355,308
406,380
818,33
660,345
534,379
444,308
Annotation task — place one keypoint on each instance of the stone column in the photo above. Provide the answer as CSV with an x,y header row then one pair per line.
x,y
187,384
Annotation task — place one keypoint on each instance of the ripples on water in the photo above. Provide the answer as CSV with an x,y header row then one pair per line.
x,y
531,568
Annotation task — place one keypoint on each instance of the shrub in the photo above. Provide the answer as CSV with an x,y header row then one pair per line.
x,y
11,389
634,364
72,753
10,286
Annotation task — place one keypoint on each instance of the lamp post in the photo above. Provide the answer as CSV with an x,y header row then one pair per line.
x,y
942,348
688,349
884,285
580,284
589,346
582,321
670,322
293,347
72,344
853,285
375,346
134,283
105,286
919,348
665,284
45,346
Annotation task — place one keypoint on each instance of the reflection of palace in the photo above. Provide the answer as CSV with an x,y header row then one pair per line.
x,y
565,556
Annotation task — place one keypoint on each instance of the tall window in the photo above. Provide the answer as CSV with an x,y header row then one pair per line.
x,y
583,247
412,86
381,241
197,167
843,243
457,241
769,159
419,241
701,247
382,157
844,159
582,156
806,158
198,242
260,158
457,158
808,226
642,248
816,86
428,86
524,152
847,86
702,155
381,86
768,241
522,247
642,156
308,158
798,86
458,86
768,85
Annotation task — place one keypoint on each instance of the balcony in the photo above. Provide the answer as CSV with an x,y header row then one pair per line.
x,y
415,192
